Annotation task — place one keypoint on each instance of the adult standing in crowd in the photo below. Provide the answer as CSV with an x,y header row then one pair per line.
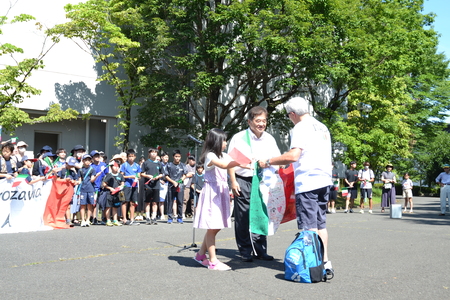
x,y
21,149
388,191
443,180
351,179
262,145
366,177
310,154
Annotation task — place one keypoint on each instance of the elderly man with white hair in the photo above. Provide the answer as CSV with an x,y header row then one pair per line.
x,y
310,153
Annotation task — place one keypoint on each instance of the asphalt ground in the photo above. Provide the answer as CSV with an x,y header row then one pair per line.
x,y
374,257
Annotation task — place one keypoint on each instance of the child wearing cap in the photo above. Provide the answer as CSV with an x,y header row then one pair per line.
x,y
87,190
48,167
112,183
37,167
21,149
27,164
101,169
78,152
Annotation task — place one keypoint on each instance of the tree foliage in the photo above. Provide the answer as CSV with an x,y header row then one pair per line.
x,y
429,157
202,64
14,87
228,56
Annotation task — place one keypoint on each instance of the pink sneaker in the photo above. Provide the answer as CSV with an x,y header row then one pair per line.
x,y
201,259
218,266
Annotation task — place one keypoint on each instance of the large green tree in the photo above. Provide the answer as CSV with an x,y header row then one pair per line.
x,y
387,58
14,77
124,45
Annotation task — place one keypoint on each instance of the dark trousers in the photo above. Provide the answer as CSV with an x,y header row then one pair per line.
x,y
241,222
172,195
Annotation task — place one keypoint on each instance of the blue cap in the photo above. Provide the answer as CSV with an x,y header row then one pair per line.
x,y
71,161
24,158
94,152
46,154
77,147
47,148
86,156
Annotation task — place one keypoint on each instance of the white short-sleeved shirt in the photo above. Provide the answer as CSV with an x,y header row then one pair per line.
x,y
262,148
313,169
210,156
366,175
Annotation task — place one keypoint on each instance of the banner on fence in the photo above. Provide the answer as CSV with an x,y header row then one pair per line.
x,y
32,207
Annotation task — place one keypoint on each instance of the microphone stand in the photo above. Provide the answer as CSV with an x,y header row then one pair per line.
x,y
197,142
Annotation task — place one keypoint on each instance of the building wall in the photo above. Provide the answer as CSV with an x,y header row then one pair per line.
x,y
69,78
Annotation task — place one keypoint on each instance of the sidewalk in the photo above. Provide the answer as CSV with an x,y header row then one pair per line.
x,y
374,257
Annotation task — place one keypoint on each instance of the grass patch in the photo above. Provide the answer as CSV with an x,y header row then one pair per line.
x,y
376,193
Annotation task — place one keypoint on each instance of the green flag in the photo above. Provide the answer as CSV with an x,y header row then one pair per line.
x,y
259,218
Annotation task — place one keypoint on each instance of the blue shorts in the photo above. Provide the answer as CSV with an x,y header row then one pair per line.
x,y
87,198
311,208
352,193
366,193
131,194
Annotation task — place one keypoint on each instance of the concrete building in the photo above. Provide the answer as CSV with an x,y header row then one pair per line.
x,y
69,78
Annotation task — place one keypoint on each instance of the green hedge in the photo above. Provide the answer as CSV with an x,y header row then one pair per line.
x,y
377,190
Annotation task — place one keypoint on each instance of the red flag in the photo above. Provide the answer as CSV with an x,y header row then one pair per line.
x,y
134,183
57,204
116,190
287,175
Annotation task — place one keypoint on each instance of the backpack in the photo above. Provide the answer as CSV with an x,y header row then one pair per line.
x,y
303,261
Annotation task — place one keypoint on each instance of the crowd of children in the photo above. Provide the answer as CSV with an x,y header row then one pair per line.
x,y
112,192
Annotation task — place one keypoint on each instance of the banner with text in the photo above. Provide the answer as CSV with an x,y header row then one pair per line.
x,y
22,205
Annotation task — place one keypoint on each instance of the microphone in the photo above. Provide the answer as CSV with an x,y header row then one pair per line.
x,y
194,139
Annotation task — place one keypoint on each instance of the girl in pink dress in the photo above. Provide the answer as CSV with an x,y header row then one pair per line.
x,y
213,208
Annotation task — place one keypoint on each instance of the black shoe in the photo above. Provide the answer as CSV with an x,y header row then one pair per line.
x,y
154,221
148,221
246,258
265,256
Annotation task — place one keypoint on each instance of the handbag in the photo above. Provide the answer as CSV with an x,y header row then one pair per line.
x,y
121,193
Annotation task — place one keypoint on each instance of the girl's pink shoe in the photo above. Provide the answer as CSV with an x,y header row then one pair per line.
x,y
218,266
201,259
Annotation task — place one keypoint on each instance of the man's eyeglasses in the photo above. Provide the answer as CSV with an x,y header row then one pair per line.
x,y
287,115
